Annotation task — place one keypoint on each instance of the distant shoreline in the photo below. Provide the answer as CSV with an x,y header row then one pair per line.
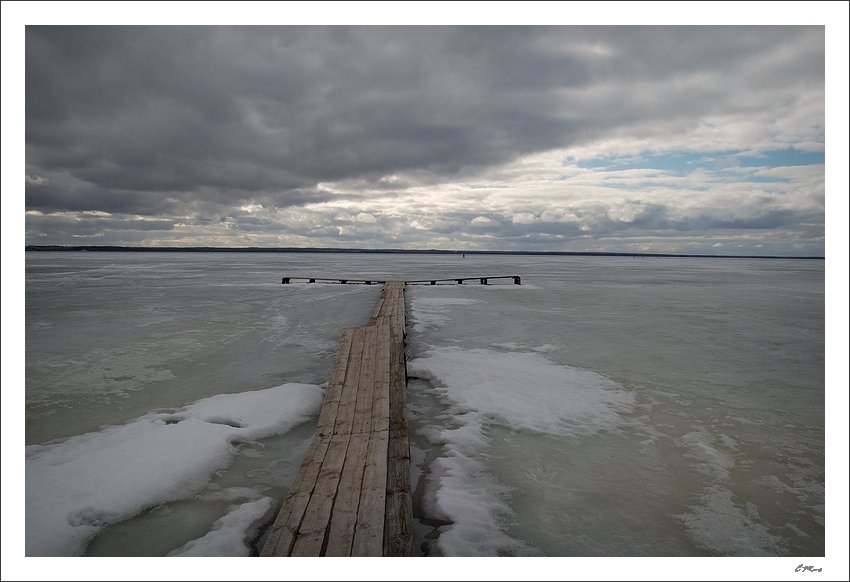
x,y
124,249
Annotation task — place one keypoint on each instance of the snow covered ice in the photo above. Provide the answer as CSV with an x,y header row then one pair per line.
x,y
605,407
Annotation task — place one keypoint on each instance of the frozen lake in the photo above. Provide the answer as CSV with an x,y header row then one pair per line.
x,y
609,406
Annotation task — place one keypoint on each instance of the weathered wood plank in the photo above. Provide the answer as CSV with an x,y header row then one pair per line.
x,y
288,521
398,535
393,307
282,535
369,529
311,534
379,306
330,406
380,397
397,291
344,513
397,323
362,420
348,398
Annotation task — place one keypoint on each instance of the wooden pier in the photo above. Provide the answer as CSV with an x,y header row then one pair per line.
x,y
517,280
352,494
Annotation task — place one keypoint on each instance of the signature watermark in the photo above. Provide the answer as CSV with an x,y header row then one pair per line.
x,y
802,568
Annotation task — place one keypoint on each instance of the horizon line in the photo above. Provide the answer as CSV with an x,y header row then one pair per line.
x,y
125,248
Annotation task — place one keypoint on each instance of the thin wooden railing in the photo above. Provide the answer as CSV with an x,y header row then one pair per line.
x,y
517,280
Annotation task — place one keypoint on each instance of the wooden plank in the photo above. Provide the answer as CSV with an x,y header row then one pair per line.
x,y
330,406
397,323
282,535
369,529
389,300
393,306
396,390
393,310
398,310
403,309
380,396
348,398
398,534
311,534
291,514
344,513
389,303
363,405
378,306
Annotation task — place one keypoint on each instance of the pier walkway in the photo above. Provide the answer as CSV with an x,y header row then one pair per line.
x,y
352,494
517,280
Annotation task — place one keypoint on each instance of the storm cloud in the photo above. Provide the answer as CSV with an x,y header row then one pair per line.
x,y
498,137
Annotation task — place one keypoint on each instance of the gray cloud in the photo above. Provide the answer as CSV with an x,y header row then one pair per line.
x,y
189,123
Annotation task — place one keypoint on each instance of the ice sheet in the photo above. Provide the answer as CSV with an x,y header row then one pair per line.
x,y
230,534
80,485
520,390
525,390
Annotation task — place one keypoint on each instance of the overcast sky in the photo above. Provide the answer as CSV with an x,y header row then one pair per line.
x,y
556,138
